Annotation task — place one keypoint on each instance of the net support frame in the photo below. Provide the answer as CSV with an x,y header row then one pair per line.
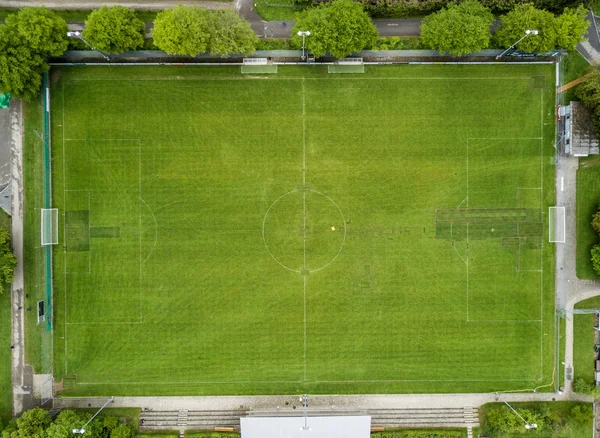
x,y
557,224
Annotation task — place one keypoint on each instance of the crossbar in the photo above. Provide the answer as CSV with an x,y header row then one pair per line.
x,y
255,61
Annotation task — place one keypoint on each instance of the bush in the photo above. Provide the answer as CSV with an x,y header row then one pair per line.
x,y
397,43
596,258
582,413
580,385
596,222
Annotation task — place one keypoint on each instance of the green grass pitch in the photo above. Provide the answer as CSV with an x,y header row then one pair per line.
x,y
303,232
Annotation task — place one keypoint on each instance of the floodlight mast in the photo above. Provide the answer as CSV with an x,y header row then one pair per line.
x,y
82,430
304,400
527,424
303,34
77,34
527,33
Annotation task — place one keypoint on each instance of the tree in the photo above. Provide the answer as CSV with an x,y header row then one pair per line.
x,y
229,33
596,258
41,30
32,424
571,25
20,68
63,425
114,29
27,38
341,27
7,260
527,17
182,31
458,29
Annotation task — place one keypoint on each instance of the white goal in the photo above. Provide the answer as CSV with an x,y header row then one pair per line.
x,y
556,224
49,226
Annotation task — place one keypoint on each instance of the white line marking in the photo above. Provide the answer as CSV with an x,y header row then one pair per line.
x,y
64,169
140,221
562,183
305,280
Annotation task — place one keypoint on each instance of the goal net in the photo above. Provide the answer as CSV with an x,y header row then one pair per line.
x,y
347,65
49,226
258,65
556,224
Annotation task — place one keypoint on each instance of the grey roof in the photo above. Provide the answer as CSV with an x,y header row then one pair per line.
x,y
583,137
320,427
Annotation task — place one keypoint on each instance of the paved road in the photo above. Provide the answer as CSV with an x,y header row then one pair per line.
x,y
144,5
433,401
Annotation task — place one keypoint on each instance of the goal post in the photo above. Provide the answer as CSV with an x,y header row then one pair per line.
x,y
347,65
49,220
557,224
258,65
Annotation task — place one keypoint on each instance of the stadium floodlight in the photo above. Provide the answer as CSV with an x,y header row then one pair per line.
x,y
82,430
527,33
303,34
527,424
77,34
304,400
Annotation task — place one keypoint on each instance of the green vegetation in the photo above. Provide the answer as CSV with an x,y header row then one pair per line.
x,y
421,433
191,30
7,259
588,194
340,28
556,419
199,262
382,43
34,256
563,31
5,338
37,423
279,10
458,29
583,347
114,29
26,40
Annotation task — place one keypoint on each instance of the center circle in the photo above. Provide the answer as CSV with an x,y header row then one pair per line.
x,y
304,230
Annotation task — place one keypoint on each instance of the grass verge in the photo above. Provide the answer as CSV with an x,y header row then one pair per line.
x,y
5,339
588,196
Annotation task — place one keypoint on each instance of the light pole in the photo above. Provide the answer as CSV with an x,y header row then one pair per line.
x,y
82,430
527,33
77,34
303,34
527,424
304,400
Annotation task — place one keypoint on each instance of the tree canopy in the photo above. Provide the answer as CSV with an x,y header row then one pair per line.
x,y
26,39
40,29
340,28
229,33
526,17
571,25
7,260
182,31
36,423
458,29
190,31
114,29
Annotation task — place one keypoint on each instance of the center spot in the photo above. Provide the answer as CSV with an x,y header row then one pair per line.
x,y
304,230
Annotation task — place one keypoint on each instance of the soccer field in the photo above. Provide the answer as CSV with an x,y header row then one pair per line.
x,y
303,232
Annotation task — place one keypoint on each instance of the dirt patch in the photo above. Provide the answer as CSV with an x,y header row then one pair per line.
x,y
55,76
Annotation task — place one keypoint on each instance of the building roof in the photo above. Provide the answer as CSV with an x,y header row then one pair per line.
x,y
293,427
584,141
